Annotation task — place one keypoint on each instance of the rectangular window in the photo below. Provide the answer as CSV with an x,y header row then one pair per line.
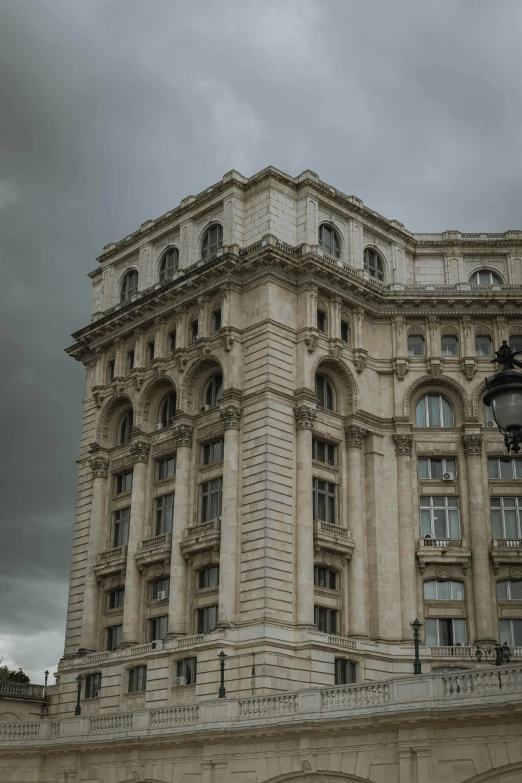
x,y
326,619
110,369
150,351
160,586
504,468
345,672
93,685
114,636
443,590
121,527
505,517
324,501
515,342
325,577
483,345
167,467
443,632
323,452
158,627
123,482
164,513
130,360
432,468
449,346
511,632
415,345
193,331
213,451
509,590
208,577
216,320
345,332
321,320
207,619
211,498
439,516
187,668
116,598
137,679
172,340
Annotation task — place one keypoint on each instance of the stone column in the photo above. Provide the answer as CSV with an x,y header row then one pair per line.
x,y
228,560
407,535
305,417
88,639
132,605
479,535
357,568
182,434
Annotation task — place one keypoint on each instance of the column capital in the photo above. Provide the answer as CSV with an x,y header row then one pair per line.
x,y
305,417
230,417
99,467
403,444
472,444
140,451
355,436
182,434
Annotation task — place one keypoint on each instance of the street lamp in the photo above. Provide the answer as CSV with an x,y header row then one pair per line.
x,y
416,625
504,396
502,653
222,657
78,708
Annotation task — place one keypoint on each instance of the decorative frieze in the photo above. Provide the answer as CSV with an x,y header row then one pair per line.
x,y
355,436
403,444
99,467
305,417
472,444
230,417
182,435
139,451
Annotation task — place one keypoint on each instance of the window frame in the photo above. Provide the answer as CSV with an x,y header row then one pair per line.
x,y
130,359
508,583
111,369
446,507
183,666
492,275
110,641
452,589
121,525
332,244
442,399
155,627
172,340
512,340
168,408
137,679
209,448
330,452
155,588
420,344
206,493
204,619
331,617
167,459
164,516
119,487
127,291
374,264
512,641
209,244
326,394
166,269
451,635
456,342
193,330
517,508
345,331
213,391
205,573
321,320
93,682
444,461
489,339
215,320
119,603
329,493
329,575
500,460
345,671
125,426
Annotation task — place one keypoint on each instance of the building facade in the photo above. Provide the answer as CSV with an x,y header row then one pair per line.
x,y
286,457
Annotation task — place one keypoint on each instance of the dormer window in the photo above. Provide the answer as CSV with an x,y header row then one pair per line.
x,y
169,264
212,240
129,286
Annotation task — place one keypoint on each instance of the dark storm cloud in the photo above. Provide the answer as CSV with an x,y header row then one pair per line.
x,y
111,112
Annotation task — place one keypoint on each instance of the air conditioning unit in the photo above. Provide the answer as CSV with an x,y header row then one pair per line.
x,y
448,476
157,644
180,681
490,424
206,408
158,426
162,594
95,694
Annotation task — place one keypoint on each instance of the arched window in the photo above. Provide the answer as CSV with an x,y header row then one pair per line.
x,y
449,345
485,277
213,392
324,392
129,286
416,346
168,409
373,263
169,264
433,410
212,240
126,426
483,345
329,240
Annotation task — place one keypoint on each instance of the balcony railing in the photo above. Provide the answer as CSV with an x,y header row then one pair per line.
x,y
21,690
156,541
507,543
117,553
441,542
455,651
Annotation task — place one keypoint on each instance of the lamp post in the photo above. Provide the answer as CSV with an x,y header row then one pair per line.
x,y
502,653
78,708
416,625
222,657
504,396
46,677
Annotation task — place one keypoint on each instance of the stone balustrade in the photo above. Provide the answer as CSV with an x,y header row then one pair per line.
x,y
21,689
495,687
455,651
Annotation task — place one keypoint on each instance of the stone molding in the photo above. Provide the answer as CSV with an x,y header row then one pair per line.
x,y
355,436
472,444
403,444
140,451
100,467
182,435
230,417
305,417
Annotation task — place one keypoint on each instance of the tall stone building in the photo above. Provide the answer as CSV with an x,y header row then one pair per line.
x,y
286,457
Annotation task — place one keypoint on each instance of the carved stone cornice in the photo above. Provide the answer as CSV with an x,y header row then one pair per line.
x,y
355,436
305,417
230,416
182,435
472,444
100,467
403,444
140,451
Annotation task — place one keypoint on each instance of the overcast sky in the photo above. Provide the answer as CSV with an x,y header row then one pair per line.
x,y
112,111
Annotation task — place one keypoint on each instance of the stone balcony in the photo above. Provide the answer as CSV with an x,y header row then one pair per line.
x,y
202,538
152,550
505,550
111,561
332,538
21,690
442,551
390,704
